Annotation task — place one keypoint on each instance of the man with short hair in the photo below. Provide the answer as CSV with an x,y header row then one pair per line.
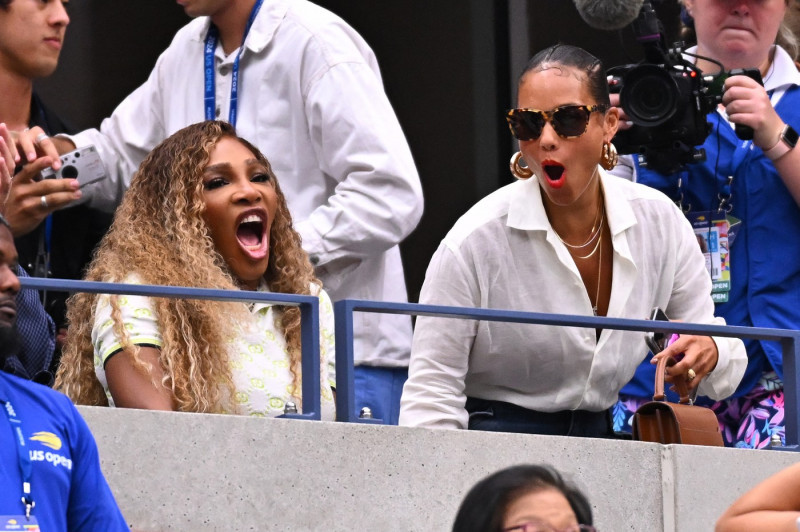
x,y
49,468
52,241
305,88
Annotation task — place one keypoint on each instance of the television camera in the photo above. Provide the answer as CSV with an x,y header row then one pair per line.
x,y
668,99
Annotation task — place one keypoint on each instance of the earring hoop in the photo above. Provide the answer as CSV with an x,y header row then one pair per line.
x,y
609,157
517,170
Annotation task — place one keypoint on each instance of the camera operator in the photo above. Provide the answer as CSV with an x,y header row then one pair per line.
x,y
756,181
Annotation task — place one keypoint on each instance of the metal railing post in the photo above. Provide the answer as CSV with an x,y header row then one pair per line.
x,y
791,384
345,365
309,362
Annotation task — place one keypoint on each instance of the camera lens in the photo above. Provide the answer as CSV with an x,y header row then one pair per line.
x,y
70,172
649,95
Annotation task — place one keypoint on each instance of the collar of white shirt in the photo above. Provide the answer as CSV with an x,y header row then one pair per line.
x,y
526,210
269,18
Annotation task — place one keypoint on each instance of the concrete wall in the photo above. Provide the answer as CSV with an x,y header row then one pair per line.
x,y
174,471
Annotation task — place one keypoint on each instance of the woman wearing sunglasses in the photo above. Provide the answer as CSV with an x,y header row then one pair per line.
x,y
567,238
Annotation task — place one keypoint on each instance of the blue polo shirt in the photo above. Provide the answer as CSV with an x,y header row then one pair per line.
x,y
67,484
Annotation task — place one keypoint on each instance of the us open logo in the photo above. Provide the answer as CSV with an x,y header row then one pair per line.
x,y
50,440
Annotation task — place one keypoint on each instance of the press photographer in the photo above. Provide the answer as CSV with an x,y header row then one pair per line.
x,y
753,183
666,97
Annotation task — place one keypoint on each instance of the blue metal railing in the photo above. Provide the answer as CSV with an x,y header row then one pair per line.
x,y
343,310
309,315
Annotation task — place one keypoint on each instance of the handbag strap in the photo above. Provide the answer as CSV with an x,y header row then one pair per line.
x,y
680,384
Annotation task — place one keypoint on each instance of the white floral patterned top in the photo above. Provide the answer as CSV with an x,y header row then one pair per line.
x,y
258,356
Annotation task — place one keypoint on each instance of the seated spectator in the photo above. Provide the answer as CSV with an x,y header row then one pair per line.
x,y
773,505
566,239
331,135
203,210
524,498
67,491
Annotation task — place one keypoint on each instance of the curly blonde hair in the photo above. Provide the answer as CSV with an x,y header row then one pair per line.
x,y
160,235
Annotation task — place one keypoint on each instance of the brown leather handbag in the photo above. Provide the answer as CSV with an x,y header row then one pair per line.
x,y
663,422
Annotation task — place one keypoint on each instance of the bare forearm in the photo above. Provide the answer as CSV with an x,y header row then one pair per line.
x,y
774,504
773,521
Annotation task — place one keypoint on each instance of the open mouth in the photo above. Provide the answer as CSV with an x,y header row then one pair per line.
x,y
555,173
252,235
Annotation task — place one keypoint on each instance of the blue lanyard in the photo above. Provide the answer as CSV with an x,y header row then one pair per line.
x,y
25,465
208,69
48,232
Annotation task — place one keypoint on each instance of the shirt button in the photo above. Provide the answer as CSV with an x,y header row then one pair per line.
x,y
224,69
217,111
314,260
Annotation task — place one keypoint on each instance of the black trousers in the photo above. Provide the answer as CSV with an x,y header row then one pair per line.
x,y
497,416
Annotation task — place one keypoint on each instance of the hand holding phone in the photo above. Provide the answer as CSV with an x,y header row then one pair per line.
x,y
657,341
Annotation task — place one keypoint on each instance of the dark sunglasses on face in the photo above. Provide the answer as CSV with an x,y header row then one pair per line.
x,y
569,121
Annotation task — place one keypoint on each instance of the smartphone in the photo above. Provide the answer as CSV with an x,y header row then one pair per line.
x,y
657,341
83,164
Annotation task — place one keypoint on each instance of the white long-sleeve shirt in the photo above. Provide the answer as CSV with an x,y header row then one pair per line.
x,y
504,254
312,100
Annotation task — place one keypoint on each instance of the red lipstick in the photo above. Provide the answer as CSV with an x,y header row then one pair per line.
x,y
554,173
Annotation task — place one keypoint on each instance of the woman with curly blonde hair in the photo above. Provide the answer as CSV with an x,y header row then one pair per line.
x,y
203,210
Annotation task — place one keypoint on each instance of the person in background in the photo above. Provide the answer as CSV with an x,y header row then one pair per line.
x,y
50,473
524,498
771,506
31,356
204,210
754,181
566,238
309,95
53,237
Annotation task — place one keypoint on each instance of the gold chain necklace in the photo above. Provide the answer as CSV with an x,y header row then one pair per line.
x,y
592,233
594,250
597,290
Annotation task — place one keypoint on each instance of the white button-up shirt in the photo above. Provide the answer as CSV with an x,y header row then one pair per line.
x,y
504,254
312,100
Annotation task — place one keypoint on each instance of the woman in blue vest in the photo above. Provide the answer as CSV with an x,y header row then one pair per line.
x,y
755,264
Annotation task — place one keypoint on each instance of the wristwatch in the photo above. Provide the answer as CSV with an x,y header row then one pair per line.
x,y
786,142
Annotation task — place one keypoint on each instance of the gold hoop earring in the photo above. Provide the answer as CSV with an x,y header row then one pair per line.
x,y
517,170
609,157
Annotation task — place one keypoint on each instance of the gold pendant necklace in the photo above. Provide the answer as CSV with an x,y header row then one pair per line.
x,y
597,290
